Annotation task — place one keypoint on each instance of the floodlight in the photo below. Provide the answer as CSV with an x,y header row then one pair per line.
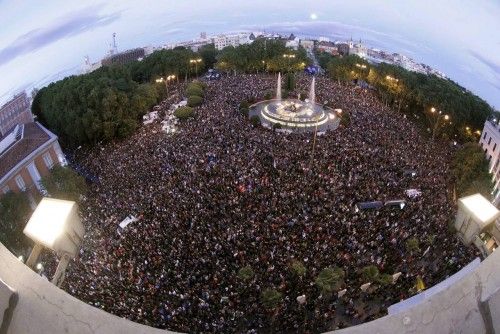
x,y
55,224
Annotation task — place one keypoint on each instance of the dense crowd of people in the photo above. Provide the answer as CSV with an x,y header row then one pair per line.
x,y
220,195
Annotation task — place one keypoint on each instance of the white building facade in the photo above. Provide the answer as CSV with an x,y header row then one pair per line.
x,y
224,40
490,143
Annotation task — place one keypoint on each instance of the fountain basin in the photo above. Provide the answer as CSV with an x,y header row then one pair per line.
x,y
295,115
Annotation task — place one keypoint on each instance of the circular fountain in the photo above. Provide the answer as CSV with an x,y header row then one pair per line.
x,y
295,115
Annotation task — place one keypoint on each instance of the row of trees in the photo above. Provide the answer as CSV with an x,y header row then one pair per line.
x,y
99,106
109,102
261,56
416,92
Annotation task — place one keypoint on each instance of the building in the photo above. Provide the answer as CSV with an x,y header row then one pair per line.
x,y
343,48
307,44
490,143
222,41
27,153
293,43
124,57
358,49
328,47
16,111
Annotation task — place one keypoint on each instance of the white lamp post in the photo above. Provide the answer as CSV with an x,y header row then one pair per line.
x,y
55,224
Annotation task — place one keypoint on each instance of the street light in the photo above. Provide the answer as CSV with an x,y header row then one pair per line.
x,y
433,109
195,62
55,224
289,57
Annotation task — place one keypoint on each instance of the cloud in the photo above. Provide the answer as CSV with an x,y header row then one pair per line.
x,y
495,67
69,25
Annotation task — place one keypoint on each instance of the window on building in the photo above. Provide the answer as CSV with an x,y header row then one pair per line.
x,y
484,137
48,160
494,147
6,189
20,183
489,141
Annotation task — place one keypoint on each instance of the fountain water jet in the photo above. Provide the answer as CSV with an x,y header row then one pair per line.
x,y
312,93
278,90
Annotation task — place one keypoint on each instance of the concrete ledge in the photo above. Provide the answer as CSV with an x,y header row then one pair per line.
x,y
460,308
8,301
44,308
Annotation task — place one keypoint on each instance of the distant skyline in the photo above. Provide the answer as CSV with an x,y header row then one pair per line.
x,y
43,41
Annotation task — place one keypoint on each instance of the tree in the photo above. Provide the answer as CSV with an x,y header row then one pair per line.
x,y
290,81
194,91
329,280
470,171
298,268
246,274
64,183
194,101
370,273
271,298
14,214
255,120
184,113
412,245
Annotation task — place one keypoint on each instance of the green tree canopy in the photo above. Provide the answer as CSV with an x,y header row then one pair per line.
x,y
183,113
330,279
470,171
271,298
15,212
64,183
246,273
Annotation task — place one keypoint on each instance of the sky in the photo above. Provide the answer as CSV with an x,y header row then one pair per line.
x,y
43,41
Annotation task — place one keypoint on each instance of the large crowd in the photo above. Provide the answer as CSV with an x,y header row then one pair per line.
x,y
221,194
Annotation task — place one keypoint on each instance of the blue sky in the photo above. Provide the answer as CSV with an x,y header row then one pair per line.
x,y
42,41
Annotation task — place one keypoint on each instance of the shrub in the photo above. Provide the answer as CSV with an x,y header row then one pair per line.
x,y
271,298
277,126
385,279
246,273
269,95
412,245
255,120
244,105
184,113
194,91
194,101
345,118
303,95
298,268
197,84
370,273
330,279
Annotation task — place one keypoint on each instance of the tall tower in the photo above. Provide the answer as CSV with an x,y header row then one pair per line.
x,y
114,49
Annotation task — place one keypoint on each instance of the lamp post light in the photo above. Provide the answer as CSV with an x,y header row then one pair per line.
x,y
195,62
289,57
55,224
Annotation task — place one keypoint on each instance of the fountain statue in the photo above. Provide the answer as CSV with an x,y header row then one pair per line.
x,y
312,94
278,90
294,114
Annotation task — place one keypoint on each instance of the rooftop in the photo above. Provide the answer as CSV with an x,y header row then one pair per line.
x,y
34,136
